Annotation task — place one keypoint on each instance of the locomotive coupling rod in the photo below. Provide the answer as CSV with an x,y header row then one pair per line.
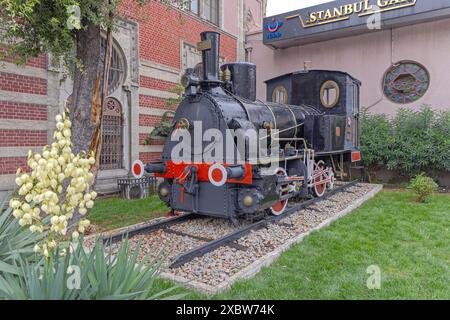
x,y
147,228
308,203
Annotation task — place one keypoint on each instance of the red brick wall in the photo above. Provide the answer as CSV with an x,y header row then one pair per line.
x,y
147,157
24,84
154,102
9,165
162,29
146,120
39,62
22,111
152,83
143,137
22,138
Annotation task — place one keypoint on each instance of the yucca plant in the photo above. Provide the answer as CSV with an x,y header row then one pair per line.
x,y
16,242
93,275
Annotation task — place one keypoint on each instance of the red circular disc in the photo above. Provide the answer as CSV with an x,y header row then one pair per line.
x,y
217,175
137,169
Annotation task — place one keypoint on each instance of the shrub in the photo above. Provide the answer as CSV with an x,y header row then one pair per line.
x,y
411,143
376,138
162,130
423,186
82,275
419,141
16,242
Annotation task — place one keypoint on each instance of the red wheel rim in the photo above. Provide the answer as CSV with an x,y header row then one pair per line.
x,y
279,207
320,187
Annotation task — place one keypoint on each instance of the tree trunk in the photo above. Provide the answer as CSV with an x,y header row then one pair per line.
x,y
85,112
86,89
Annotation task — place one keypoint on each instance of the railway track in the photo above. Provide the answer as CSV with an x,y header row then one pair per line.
x,y
222,241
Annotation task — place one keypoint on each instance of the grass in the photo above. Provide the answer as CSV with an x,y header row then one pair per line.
x,y
115,213
409,242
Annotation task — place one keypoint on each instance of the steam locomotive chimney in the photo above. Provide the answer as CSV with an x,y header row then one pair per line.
x,y
210,54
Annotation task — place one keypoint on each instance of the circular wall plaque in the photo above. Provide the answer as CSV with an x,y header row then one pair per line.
x,y
406,82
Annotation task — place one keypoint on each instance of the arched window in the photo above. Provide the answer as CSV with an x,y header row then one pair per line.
x,y
112,135
117,70
406,82
280,95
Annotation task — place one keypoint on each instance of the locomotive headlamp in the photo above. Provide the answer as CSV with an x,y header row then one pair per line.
x,y
183,123
248,201
189,78
164,191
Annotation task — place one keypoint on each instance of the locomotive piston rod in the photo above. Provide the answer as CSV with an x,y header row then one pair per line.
x,y
156,168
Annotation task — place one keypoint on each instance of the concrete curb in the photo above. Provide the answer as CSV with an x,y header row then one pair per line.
x,y
268,259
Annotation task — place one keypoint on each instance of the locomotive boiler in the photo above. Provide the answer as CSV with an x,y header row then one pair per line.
x,y
314,130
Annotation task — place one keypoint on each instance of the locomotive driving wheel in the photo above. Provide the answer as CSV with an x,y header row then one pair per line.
x,y
323,181
278,208
320,186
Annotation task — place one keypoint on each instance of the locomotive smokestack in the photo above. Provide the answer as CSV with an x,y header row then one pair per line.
x,y
210,54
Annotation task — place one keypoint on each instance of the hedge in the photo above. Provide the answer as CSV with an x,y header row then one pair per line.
x,y
411,142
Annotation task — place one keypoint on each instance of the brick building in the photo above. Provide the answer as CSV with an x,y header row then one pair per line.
x,y
152,47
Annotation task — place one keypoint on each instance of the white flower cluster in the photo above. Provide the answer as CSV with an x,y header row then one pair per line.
x,y
58,185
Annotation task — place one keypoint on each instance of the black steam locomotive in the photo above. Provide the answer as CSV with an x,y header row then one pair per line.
x,y
315,128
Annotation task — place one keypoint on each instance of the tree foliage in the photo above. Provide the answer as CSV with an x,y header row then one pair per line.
x,y
32,27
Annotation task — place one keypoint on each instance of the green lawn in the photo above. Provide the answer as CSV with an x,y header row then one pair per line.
x,y
115,213
410,242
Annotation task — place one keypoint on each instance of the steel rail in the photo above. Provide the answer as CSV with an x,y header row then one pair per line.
x,y
161,225
188,256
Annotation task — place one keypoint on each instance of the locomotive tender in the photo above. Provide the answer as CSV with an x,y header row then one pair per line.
x,y
317,130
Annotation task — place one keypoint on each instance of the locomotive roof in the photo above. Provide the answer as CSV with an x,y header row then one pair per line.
x,y
308,71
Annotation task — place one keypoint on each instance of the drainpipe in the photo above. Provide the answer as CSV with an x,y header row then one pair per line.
x,y
127,90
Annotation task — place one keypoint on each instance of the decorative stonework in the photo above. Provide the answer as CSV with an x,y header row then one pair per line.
x,y
406,82
133,55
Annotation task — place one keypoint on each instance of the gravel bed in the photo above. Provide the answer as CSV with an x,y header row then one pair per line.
x,y
209,228
218,266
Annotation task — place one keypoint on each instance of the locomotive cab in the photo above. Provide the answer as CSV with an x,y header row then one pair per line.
x,y
335,133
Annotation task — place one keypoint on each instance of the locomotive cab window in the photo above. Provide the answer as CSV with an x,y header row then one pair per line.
x,y
280,95
329,94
